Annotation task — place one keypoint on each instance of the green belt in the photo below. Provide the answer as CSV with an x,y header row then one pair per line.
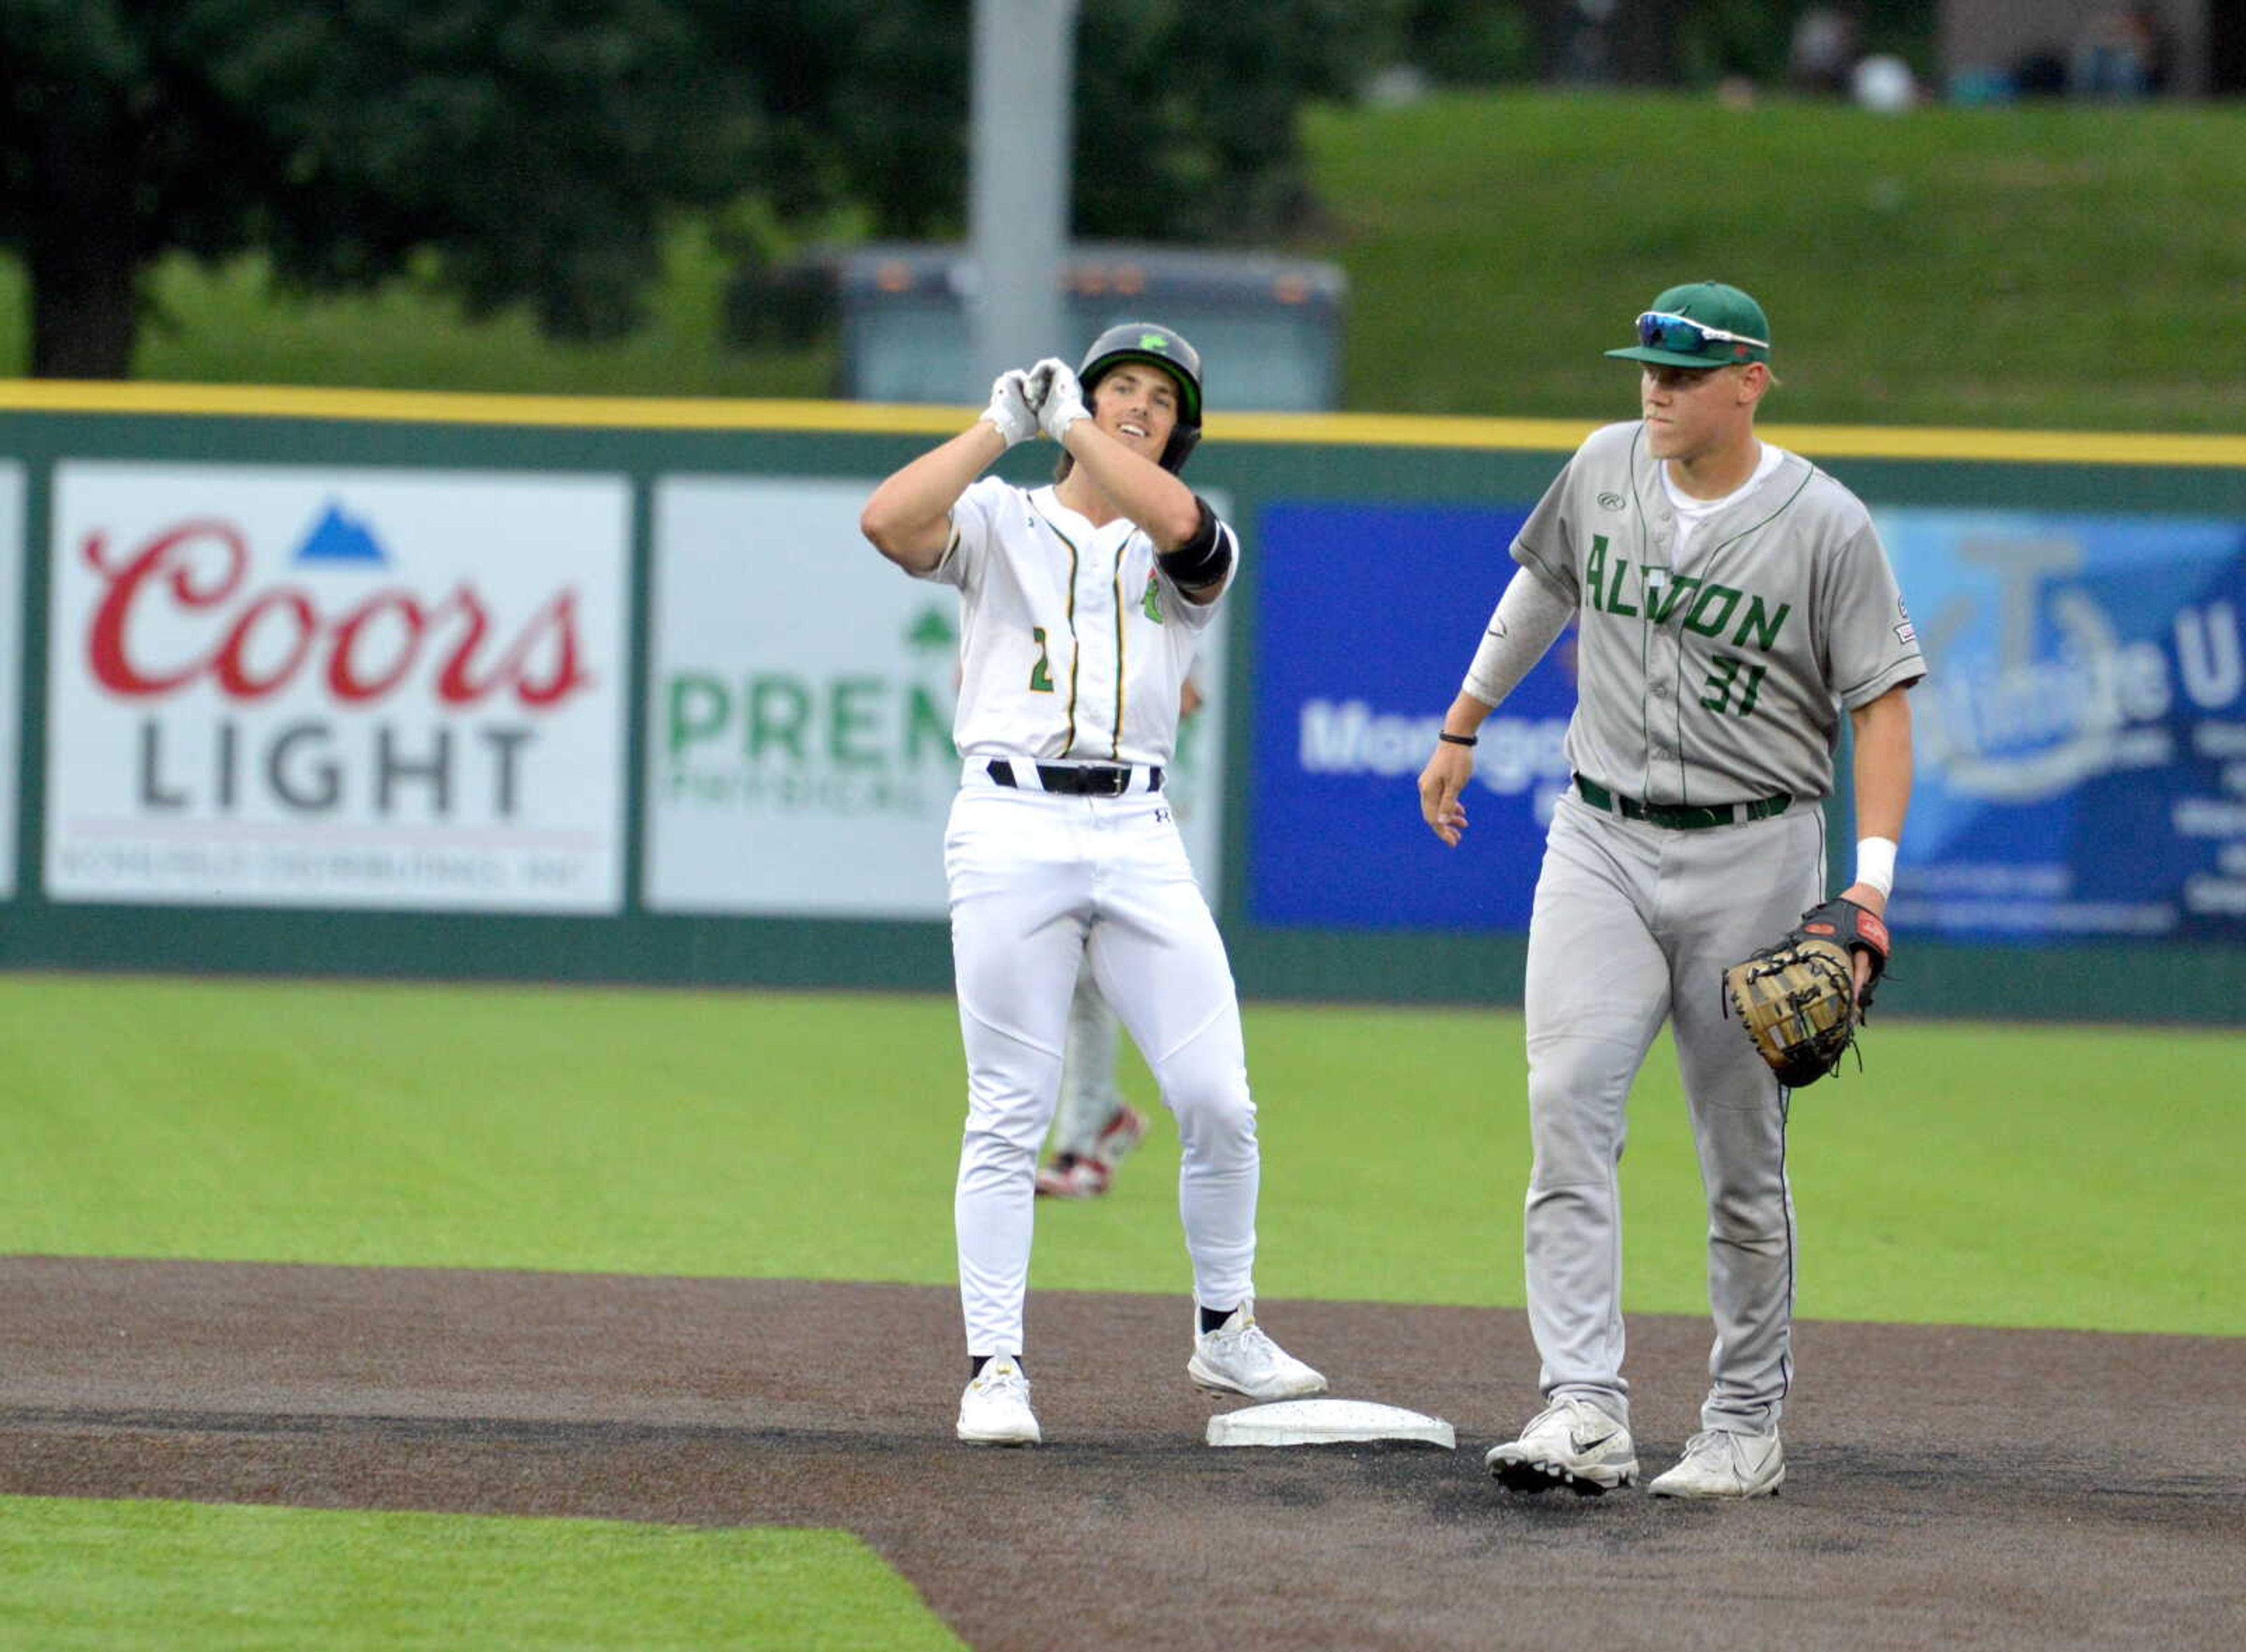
x,y
1683,817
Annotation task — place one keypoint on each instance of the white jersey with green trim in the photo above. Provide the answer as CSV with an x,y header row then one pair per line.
x,y
1722,680
1073,644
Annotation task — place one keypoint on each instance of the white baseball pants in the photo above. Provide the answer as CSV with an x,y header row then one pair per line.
x,y
1037,880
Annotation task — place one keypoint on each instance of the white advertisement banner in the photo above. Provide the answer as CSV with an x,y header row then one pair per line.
x,y
12,662
309,687
799,729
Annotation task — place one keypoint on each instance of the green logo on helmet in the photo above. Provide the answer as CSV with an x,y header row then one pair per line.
x,y
1153,341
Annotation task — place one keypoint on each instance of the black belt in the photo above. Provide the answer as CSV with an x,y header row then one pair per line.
x,y
1079,779
1683,817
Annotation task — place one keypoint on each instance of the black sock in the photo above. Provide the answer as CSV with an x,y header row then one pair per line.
x,y
1213,1318
976,1362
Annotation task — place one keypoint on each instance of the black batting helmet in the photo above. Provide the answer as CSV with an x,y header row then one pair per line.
x,y
1159,346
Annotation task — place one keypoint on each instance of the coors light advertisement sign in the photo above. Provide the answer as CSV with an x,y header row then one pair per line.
x,y
318,687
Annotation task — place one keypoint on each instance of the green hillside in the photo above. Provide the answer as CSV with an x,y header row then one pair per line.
x,y
2042,266
2059,267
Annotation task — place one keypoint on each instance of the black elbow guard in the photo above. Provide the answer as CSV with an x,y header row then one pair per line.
x,y
1203,560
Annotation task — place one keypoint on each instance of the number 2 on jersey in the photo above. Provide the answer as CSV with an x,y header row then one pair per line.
x,y
1725,677
1041,673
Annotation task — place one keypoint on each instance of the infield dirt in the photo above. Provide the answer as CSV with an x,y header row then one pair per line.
x,y
1947,1487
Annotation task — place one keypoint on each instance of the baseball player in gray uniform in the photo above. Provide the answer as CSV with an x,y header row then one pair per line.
x,y
1734,604
1081,605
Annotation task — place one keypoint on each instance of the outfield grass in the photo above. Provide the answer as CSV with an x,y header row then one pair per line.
x,y
108,1576
2065,265
2004,1176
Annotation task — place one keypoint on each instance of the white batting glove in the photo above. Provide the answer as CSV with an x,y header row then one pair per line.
x,y
1057,395
1012,410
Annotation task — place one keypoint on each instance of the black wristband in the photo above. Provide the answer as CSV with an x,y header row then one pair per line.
x,y
1203,560
1458,739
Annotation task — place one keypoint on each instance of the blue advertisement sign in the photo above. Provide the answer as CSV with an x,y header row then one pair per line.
x,y
2081,736
1366,618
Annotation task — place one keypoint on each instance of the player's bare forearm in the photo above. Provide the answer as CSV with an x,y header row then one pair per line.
x,y
1883,771
908,518
1883,764
1156,500
1443,782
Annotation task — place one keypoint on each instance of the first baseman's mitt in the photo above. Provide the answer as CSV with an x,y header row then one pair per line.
x,y
1797,998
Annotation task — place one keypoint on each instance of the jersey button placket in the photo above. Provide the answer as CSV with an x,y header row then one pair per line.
x,y
1662,655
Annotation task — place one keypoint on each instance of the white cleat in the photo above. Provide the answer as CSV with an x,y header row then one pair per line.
x,y
995,1410
1717,1464
1238,1357
1570,1443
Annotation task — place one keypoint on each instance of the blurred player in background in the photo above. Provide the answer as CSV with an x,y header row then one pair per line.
x,y
1096,1125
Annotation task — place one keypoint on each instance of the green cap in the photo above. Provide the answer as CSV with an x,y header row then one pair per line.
x,y
1704,324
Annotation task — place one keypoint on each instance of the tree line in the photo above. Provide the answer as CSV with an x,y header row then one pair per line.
x,y
528,151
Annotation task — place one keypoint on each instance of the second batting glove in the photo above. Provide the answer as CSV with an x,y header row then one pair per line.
x,y
1012,410
1057,395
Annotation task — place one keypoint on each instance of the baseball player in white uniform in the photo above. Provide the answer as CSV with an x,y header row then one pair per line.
x,y
1081,604
1734,605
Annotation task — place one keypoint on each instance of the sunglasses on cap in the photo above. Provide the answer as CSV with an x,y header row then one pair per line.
x,y
1657,329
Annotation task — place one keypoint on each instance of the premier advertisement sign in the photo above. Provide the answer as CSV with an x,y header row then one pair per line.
x,y
799,734
312,687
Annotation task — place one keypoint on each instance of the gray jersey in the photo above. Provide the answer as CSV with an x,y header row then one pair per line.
x,y
1725,680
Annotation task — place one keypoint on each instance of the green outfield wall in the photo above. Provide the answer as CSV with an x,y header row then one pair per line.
x,y
482,687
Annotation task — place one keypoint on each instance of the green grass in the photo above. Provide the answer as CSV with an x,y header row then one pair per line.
x,y
2046,1176
2062,267
2045,267
119,1576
